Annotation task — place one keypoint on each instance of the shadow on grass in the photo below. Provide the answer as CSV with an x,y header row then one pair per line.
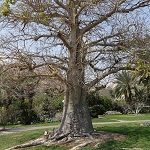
x,y
139,137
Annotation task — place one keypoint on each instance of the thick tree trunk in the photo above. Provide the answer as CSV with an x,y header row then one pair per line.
x,y
76,119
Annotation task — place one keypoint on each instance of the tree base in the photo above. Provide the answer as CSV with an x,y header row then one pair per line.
x,y
74,143
95,140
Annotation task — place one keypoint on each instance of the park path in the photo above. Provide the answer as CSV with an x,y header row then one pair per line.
x,y
13,130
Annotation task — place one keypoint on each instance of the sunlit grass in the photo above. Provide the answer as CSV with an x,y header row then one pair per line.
x,y
9,140
138,136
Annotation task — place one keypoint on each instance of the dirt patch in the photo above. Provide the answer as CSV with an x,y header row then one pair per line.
x,y
96,140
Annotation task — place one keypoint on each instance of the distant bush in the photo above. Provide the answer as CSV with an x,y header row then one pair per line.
x,y
117,107
3,116
94,98
145,110
46,106
21,113
98,104
97,110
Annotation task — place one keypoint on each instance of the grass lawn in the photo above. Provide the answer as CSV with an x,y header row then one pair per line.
x,y
139,137
9,140
116,118
32,125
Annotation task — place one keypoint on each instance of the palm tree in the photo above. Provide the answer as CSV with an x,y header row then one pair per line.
x,y
125,85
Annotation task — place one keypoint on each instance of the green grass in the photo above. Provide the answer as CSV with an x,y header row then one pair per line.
x,y
128,117
96,120
9,140
116,118
47,148
33,125
139,136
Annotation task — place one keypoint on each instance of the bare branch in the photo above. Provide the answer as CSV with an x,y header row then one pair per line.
x,y
104,75
36,38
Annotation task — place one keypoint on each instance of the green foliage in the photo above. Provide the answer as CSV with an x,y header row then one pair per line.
x,y
14,139
3,116
98,104
117,107
94,98
22,113
97,110
5,10
46,106
130,87
145,110
125,85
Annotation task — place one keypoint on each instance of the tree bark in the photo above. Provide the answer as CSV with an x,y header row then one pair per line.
x,y
76,119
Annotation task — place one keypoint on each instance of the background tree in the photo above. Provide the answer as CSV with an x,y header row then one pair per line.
x,y
76,38
125,87
132,91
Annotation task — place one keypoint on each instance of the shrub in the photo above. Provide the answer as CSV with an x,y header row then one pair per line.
x,y
98,104
117,107
46,106
94,98
97,110
26,115
3,116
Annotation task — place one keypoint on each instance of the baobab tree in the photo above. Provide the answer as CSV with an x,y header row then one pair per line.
x,y
75,39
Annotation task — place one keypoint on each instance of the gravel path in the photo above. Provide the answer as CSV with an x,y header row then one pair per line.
x,y
13,130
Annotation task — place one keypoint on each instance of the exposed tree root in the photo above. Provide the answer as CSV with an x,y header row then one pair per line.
x,y
94,140
81,145
36,142
74,143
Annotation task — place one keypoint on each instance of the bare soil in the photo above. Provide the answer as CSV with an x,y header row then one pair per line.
x,y
95,140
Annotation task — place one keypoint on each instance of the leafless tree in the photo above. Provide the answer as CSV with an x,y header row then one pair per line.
x,y
75,39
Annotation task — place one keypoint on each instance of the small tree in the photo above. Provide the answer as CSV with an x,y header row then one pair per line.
x,y
125,86
4,116
132,91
